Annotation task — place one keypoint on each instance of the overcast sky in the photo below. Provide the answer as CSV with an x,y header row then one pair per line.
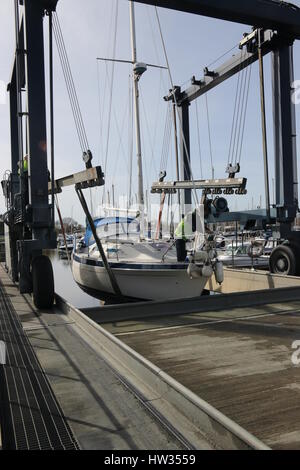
x,y
192,42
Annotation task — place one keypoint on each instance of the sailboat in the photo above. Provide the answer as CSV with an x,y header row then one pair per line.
x,y
142,268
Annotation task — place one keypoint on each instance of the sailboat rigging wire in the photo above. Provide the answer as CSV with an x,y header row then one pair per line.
x,y
223,55
111,91
113,110
120,146
158,60
102,109
166,140
100,142
198,138
106,81
145,161
151,140
70,83
130,141
195,195
212,63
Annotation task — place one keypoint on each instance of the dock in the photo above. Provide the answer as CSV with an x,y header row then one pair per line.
x,y
208,373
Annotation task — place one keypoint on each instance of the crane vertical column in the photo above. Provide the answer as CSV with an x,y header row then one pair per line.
x,y
14,179
31,227
284,137
185,163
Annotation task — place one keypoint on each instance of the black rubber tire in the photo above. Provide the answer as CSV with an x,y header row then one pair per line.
x,y
283,261
296,249
42,282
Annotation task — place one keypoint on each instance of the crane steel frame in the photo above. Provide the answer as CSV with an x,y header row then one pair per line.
x,y
29,68
281,22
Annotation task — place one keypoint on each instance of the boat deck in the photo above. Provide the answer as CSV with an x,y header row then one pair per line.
x,y
238,359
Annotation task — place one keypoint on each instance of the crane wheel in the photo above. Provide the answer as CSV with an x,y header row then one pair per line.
x,y
42,282
283,261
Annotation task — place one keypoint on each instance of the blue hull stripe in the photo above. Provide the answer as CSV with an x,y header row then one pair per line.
x,y
160,266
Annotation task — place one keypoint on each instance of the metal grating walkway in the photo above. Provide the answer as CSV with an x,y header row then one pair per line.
x,y
30,416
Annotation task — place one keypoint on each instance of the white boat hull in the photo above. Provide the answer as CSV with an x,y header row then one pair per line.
x,y
245,261
153,282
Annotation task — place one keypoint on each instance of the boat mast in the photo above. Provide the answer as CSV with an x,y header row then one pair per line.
x,y
136,76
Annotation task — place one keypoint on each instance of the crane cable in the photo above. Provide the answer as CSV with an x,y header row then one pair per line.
x,y
68,76
234,114
188,164
60,43
239,115
239,109
245,114
199,140
242,113
209,138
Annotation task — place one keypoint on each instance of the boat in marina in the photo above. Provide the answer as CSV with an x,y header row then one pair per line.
x,y
64,246
141,267
146,269
242,255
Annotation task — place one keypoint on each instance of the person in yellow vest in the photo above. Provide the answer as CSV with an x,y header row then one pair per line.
x,y
25,178
25,165
184,232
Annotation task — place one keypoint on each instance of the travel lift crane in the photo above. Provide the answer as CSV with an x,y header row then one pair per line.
x,y
30,216
276,25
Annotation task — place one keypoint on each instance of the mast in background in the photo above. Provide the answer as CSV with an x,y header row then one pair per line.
x,y
138,70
